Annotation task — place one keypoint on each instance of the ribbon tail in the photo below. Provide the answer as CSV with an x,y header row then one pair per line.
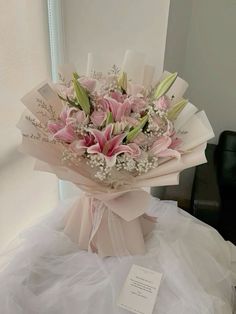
x,y
97,215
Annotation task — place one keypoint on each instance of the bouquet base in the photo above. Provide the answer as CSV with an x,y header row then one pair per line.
x,y
96,228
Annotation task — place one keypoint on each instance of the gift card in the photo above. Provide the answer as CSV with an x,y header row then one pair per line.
x,y
140,289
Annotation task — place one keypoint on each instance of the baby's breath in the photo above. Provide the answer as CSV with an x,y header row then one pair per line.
x,y
99,163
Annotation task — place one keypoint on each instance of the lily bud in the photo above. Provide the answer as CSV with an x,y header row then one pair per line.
x,y
133,133
81,94
176,109
165,85
122,81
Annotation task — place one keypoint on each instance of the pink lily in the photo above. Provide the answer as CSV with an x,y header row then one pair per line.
x,y
98,117
176,142
63,129
66,114
161,148
109,147
78,117
80,146
54,127
169,128
118,109
65,134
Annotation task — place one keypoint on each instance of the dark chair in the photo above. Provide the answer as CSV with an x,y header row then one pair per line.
x,y
214,188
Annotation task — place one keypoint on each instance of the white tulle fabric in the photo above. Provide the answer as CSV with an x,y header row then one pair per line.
x,y
46,273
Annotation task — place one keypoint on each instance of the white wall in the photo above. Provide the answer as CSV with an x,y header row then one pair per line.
x,y
109,27
206,56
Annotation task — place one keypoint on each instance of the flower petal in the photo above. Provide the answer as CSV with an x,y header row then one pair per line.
x,y
94,149
113,105
80,116
123,149
54,127
163,103
113,144
79,147
123,110
176,142
66,134
99,137
88,83
108,131
135,150
170,153
98,118
160,145
118,96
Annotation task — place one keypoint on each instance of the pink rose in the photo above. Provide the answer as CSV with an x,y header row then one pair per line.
x,y
118,96
138,104
88,83
141,139
163,103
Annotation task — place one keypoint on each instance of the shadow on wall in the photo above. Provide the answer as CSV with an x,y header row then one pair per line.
x,y
201,47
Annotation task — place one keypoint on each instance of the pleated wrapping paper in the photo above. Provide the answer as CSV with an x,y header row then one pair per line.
x,y
110,220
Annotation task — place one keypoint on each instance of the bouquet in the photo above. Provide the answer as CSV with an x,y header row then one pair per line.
x,y
112,135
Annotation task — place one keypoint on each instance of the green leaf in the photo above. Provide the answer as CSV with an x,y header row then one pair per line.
x,y
133,133
81,95
61,97
70,102
165,85
109,118
176,109
122,81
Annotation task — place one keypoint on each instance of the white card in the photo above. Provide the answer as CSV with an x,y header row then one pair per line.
x,y
140,289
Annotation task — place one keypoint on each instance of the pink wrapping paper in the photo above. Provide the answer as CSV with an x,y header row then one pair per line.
x,y
114,227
